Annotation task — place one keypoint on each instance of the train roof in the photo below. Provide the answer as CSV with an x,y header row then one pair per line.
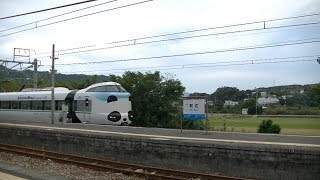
x,y
103,84
45,89
45,93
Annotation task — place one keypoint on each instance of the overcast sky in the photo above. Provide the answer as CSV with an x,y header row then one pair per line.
x,y
199,72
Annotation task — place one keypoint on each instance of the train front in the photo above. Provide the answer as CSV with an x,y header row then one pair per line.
x,y
108,102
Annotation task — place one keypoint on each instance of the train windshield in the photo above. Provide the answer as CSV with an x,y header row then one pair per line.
x,y
108,88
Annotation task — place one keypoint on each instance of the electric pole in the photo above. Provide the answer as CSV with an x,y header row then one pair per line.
x,y
35,73
256,101
52,90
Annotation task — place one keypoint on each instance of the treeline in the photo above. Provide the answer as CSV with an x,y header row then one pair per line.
x,y
12,80
293,99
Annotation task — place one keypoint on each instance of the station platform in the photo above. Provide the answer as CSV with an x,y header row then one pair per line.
x,y
248,155
176,134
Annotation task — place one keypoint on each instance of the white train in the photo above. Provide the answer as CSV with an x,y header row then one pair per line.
x,y
101,103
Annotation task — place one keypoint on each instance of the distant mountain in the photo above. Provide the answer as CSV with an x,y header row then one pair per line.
x,y
8,74
234,94
287,89
13,80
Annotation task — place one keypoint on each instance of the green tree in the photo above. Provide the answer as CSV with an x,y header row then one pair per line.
x,y
8,85
316,91
225,93
155,99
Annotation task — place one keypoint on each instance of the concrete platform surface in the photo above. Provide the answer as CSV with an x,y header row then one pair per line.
x,y
163,134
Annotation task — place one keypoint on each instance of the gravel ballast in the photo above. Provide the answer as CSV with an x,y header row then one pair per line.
x,y
47,167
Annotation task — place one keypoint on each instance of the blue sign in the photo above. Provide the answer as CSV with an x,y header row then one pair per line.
x,y
193,116
193,109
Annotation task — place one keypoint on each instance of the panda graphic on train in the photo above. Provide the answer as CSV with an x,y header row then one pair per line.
x,y
101,103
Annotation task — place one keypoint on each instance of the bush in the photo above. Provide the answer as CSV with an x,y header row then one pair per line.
x,y
266,126
192,124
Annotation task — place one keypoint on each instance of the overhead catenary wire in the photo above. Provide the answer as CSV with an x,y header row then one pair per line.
x,y
231,64
196,65
48,9
77,17
186,37
170,39
205,29
52,17
286,43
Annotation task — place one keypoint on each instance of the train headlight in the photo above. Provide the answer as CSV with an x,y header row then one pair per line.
x,y
114,116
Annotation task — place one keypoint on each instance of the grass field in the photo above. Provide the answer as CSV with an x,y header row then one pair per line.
x,y
296,126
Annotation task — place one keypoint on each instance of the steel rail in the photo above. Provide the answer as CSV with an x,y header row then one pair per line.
x,y
114,166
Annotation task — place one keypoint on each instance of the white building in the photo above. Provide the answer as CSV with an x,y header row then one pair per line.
x,y
265,102
244,111
230,103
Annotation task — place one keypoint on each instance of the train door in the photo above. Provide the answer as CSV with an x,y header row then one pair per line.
x,y
87,109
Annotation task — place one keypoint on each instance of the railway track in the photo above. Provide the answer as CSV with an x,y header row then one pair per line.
x,y
106,165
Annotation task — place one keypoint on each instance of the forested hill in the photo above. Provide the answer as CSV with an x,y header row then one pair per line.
x,y
287,90
13,80
234,94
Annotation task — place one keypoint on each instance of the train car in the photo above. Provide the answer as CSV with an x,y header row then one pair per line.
x,y
101,103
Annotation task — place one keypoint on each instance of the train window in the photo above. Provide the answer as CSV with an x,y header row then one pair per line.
x,y
5,105
58,105
25,104
121,89
37,105
15,105
110,88
47,105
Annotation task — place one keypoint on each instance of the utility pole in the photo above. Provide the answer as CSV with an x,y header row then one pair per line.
x,y
52,90
35,73
256,101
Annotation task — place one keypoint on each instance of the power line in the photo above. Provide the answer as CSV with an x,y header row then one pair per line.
x,y
119,7
206,29
48,9
35,22
216,65
41,57
186,37
171,39
198,65
287,43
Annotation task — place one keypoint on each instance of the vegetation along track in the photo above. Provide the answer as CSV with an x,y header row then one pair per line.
x,y
105,165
